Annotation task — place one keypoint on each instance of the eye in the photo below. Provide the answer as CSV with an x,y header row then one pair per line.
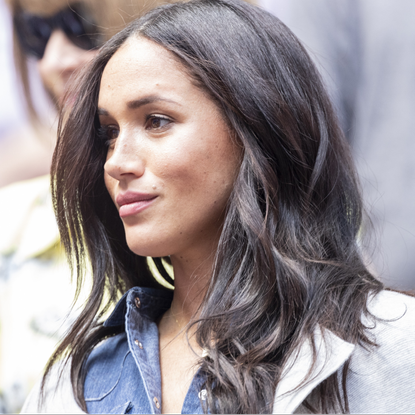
x,y
107,134
157,122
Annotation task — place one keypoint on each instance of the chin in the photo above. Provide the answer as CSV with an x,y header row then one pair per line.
x,y
150,253
155,251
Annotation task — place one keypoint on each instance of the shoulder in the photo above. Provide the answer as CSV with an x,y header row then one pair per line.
x,y
113,382
394,323
381,378
101,369
58,396
107,354
386,304
393,330
104,367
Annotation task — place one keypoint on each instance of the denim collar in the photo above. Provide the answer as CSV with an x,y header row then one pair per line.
x,y
293,388
153,303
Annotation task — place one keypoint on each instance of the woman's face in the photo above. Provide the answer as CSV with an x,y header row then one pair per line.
x,y
171,160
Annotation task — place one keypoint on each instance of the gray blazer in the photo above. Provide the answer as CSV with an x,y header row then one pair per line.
x,y
381,380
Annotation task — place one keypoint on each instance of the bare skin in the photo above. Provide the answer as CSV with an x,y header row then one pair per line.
x,y
167,139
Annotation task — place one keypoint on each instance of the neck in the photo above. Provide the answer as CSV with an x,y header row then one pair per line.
x,y
191,279
192,272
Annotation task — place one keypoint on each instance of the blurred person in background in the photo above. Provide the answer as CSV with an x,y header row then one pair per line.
x,y
365,50
11,108
56,38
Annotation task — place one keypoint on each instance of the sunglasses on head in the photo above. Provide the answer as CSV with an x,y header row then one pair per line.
x,y
34,31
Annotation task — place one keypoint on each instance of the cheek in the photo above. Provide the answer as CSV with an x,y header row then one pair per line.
x,y
202,174
44,70
110,184
51,78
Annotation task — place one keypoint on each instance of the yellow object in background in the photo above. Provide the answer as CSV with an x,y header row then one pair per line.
x,y
36,292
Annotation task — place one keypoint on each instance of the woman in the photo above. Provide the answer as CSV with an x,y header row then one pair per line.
x,y
55,39
201,134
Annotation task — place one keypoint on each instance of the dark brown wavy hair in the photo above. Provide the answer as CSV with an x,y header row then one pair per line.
x,y
288,259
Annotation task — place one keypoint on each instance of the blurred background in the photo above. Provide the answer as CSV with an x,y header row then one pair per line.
x,y
365,50
11,107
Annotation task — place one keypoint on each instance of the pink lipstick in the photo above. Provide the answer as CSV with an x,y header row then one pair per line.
x,y
131,203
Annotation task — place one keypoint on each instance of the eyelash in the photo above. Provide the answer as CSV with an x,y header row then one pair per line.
x,y
104,130
157,117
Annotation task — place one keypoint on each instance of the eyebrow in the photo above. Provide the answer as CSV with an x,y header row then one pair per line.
x,y
148,100
137,103
102,112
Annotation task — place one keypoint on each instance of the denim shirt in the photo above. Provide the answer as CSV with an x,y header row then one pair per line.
x,y
123,372
121,379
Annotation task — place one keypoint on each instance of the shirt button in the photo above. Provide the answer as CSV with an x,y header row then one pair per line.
x,y
137,302
156,401
139,344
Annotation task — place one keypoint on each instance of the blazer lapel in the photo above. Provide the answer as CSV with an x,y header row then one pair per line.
x,y
299,377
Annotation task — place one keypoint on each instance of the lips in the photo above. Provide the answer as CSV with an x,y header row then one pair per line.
x,y
131,203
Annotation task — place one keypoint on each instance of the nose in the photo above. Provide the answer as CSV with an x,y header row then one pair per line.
x,y
60,60
125,161
61,54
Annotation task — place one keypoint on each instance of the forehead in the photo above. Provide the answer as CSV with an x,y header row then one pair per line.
x,y
142,65
141,51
